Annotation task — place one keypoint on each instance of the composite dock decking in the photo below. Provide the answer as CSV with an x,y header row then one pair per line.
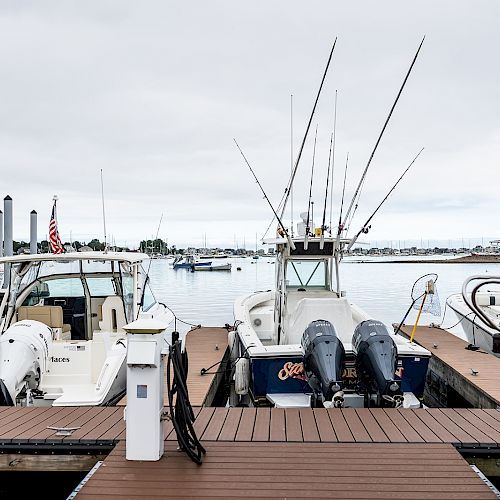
x,y
205,346
292,470
466,429
459,363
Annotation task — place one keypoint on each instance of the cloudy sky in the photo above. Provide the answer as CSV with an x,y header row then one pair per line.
x,y
153,92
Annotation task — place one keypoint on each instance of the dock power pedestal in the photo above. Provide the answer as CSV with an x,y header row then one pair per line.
x,y
144,410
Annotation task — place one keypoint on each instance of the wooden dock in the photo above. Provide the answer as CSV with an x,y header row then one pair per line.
x,y
206,346
452,367
292,470
313,453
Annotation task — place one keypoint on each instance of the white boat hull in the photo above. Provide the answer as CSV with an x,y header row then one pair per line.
x,y
476,331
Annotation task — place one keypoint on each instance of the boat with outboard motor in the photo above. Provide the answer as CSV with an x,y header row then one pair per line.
x,y
62,321
189,262
306,344
478,312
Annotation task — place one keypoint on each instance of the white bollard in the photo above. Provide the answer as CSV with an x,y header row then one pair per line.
x,y
143,414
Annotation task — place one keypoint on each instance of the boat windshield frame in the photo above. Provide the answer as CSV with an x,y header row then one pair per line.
x,y
26,275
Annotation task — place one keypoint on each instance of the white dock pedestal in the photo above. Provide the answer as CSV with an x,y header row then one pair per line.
x,y
143,413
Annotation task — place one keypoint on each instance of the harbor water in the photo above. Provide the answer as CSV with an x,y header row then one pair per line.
x,y
382,289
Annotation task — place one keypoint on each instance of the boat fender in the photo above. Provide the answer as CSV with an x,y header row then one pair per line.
x,y
242,376
231,342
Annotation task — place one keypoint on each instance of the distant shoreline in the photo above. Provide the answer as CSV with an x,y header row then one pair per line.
x,y
466,259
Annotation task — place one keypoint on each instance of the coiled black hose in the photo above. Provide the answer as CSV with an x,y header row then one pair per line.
x,y
182,413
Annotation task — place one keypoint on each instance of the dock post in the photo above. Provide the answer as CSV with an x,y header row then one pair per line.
x,y
144,410
8,237
33,232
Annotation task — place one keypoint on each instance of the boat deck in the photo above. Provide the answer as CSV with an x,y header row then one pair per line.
x,y
206,346
455,365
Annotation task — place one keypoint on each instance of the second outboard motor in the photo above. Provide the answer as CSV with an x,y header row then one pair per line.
x,y
324,359
376,362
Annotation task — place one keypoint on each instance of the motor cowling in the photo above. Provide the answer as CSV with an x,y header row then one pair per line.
x,y
376,360
324,359
24,353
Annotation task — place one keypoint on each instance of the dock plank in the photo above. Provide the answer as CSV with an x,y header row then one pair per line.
x,y
293,426
356,426
247,421
324,426
391,430
277,426
215,425
230,427
262,424
339,424
309,428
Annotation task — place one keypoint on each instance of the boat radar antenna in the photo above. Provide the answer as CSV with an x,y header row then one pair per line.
x,y
103,215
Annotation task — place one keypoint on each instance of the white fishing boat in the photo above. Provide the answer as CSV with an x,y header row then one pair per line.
x,y
306,344
478,312
62,339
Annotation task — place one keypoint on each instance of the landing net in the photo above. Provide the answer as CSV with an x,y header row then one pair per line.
x,y
425,291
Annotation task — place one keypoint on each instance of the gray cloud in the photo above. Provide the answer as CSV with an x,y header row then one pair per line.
x,y
153,93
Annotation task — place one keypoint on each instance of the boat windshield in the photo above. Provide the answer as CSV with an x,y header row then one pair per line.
x,y
306,274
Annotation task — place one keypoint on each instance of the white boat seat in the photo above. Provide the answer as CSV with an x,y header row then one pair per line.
x,y
113,315
335,310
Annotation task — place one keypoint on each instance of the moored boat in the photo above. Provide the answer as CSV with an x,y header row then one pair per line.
x,y
478,312
63,341
306,344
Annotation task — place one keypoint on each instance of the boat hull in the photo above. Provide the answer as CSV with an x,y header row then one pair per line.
x,y
475,330
280,375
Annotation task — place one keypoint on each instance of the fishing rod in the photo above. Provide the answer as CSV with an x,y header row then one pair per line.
x,y
286,194
322,239
310,192
333,159
290,242
365,228
340,226
288,190
361,181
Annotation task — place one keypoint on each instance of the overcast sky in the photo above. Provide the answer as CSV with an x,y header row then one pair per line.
x,y
153,92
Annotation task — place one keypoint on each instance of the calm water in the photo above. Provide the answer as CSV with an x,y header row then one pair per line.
x,y
381,289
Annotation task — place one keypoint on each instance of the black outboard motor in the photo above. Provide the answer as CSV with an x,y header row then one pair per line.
x,y
324,359
376,362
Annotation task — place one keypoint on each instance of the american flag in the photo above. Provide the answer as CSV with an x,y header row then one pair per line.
x,y
55,241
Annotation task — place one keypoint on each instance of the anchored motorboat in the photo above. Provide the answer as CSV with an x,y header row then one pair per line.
x,y
62,321
478,312
306,344
189,262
